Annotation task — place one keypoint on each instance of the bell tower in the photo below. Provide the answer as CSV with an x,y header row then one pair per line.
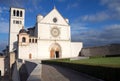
x,y
15,25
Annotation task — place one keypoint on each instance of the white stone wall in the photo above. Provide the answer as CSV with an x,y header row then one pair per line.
x,y
2,66
65,45
46,24
76,48
44,27
14,28
15,74
41,49
44,32
65,33
44,49
12,58
54,14
24,51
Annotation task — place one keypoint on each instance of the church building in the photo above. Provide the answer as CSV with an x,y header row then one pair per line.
x,y
50,38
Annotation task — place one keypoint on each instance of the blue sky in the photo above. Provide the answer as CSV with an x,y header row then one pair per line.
x,y
93,22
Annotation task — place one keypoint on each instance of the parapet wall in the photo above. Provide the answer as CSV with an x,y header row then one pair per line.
x,y
15,73
108,50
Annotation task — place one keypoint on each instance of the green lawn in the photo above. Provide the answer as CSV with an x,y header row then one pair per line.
x,y
108,61
103,61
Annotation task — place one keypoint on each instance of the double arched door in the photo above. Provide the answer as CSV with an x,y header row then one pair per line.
x,y
55,51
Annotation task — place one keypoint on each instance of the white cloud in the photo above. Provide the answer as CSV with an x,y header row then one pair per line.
x,y
3,9
72,5
112,12
96,17
13,3
77,26
112,27
109,34
113,6
35,4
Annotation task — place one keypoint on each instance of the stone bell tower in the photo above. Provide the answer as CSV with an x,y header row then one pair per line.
x,y
16,23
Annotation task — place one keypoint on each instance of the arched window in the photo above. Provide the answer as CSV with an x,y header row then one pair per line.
x,y
13,12
23,39
32,40
20,13
35,40
17,13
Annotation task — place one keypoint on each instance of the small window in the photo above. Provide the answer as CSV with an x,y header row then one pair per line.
x,y
17,22
54,20
20,13
13,12
20,22
24,39
35,40
13,21
32,40
30,56
17,13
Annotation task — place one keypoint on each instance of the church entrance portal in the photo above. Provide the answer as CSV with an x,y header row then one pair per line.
x,y
55,51
57,54
54,54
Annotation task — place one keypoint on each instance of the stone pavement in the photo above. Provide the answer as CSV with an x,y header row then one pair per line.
x,y
35,75
57,73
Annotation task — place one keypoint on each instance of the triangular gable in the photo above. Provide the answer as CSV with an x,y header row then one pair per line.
x,y
54,14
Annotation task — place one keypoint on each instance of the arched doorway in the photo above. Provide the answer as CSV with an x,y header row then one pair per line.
x,y
55,51
52,53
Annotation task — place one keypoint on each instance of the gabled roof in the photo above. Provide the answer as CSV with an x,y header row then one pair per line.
x,y
54,14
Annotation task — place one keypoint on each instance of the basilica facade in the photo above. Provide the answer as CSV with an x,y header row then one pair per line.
x,y
50,38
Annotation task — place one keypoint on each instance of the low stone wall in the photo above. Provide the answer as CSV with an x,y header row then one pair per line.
x,y
108,50
19,72
78,58
25,70
15,73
